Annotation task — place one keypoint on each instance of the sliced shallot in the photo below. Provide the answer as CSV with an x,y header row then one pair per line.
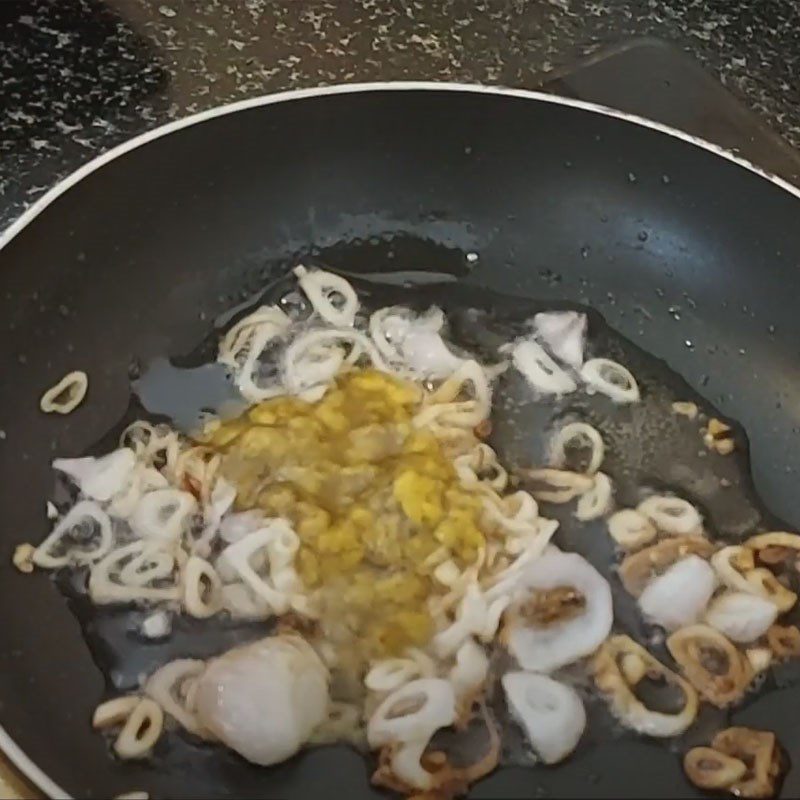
x,y
585,436
546,647
468,675
540,371
264,700
630,529
564,333
557,485
597,501
413,713
620,687
331,296
202,588
611,379
638,569
550,713
163,515
136,562
99,478
672,515
740,616
680,595
711,663
85,511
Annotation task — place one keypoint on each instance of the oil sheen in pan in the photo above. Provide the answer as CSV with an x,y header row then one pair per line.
x,y
648,446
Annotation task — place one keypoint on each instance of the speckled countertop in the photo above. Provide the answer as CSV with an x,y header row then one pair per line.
x,y
79,76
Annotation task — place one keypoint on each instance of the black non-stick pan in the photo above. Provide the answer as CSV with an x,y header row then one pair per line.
x,y
689,253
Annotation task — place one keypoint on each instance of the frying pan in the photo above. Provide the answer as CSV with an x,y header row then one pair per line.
x,y
692,254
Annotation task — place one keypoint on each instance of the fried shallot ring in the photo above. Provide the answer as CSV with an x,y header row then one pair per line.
x,y
447,781
774,539
557,485
626,706
66,395
582,432
630,529
597,501
760,752
141,720
638,568
711,663
711,770
202,588
784,641
735,566
672,515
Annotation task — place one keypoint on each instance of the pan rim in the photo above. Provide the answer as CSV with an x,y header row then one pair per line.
x,y
9,747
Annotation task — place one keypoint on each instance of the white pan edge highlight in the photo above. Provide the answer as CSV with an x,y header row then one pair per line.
x,y
14,753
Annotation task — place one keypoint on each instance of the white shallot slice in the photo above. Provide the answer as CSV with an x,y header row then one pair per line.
x,y
163,514
546,647
672,515
222,496
141,720
413,342
597,501
619,685
412,713
468,675
113,712
202,588
514,514
557,485
171,686
480,467
265,699
611,379
106,584
551,713
99,478
388,327
443,406
390,674
142,480
66,395
238,341
426,355
504,583
83,512
238,558
741,617
315,357
475,616
630,529
141,731
540,371
680,596
257,332
577,434
331,296
564,333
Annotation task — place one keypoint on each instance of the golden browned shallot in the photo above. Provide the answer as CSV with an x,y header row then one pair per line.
x,y
759,750
711,663
638,568
784,641
708,769
619,685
